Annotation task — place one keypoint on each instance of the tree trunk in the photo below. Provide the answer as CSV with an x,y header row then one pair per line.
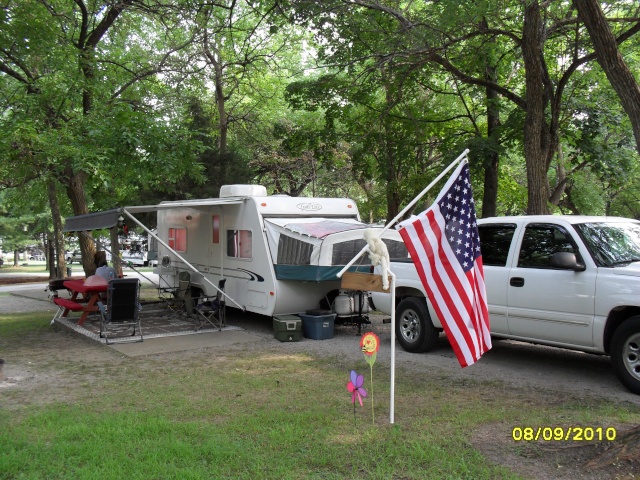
x,y
492,160
222,112
59,262
75,192
536,135
611,61
51,255
393,195
213,55
115,250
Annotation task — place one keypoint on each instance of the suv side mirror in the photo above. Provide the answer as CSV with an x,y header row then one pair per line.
x,y
566,261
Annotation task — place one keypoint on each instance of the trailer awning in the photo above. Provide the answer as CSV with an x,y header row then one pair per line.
x,y
92,221
109,218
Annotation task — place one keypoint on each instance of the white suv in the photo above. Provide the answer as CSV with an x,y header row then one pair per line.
x,y
566,281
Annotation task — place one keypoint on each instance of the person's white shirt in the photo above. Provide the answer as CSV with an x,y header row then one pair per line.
x,y
106,272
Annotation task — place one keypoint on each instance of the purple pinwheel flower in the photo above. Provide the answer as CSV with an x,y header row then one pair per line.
x,y
355,387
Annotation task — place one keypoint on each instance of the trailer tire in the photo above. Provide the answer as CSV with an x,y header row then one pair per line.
x,y
625,353
414,328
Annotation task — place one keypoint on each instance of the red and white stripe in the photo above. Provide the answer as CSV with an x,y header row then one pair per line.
x,y
459,298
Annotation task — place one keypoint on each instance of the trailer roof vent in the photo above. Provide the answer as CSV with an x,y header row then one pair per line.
x,y
243,191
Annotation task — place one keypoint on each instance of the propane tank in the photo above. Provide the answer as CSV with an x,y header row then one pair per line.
x,y
343,304
361,303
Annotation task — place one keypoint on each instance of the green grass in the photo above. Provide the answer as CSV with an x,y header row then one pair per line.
x,y
245,414
34,268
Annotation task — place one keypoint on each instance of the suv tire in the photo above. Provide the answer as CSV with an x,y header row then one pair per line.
x,y
414,328
625,353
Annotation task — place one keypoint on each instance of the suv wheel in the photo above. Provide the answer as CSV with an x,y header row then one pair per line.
x,y
625,353
414,328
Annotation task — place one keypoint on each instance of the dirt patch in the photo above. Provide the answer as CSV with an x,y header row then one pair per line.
x,y
548,460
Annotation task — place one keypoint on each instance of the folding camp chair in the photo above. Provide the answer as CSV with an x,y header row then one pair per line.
x,y
122,312
180,300
212,309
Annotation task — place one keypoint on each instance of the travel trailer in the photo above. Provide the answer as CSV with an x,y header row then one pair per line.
x,y
278,254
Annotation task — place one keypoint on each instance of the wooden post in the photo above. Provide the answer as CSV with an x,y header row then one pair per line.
x,y
367,282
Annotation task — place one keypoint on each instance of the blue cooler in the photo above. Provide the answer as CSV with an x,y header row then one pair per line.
x,y
317,327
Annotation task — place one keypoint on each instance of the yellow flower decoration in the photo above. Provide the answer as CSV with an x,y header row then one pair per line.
x,y
370,343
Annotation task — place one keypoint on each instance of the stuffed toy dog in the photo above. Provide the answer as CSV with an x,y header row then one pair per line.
x,y
378,254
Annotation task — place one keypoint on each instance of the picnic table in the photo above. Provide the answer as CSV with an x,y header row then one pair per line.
x,y
83,299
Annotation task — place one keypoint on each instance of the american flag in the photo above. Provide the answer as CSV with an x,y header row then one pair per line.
x,y
444,244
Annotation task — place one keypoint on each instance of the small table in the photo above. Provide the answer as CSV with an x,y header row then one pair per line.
x,y
90,292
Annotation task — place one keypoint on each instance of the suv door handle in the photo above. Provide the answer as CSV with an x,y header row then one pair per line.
x,y
516,282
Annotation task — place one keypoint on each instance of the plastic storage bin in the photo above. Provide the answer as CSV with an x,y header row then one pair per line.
x,y
318,327
287,328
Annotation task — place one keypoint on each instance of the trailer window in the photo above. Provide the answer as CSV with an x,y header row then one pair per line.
x,y
239,243
178,239
292,251
397,249
215,225
343,252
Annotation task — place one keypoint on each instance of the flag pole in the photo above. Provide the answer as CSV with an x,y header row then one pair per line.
x,y
405,210
393,279
426,189
392,380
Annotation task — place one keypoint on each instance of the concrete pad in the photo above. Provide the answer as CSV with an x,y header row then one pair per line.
x,y
152,346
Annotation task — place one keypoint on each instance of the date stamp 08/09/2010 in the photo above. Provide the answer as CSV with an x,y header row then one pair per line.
x,y
557,434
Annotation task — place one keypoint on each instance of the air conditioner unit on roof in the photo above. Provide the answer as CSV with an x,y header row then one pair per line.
x,y
243,191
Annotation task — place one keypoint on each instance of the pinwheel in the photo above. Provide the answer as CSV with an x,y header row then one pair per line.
x,y
355,387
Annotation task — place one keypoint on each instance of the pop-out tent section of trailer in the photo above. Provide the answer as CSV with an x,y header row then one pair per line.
x,y
315,249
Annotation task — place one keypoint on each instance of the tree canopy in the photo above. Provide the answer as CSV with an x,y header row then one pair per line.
x,y
106,103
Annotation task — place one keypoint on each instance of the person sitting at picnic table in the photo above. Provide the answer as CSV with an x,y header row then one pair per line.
x,y
104,270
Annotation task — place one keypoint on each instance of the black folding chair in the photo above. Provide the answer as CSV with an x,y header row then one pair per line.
x,y
212,309
122,311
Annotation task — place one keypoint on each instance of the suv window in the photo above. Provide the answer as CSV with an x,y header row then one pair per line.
x,y
540,242
495,241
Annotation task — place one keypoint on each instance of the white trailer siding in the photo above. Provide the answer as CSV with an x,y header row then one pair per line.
x,y
216,244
